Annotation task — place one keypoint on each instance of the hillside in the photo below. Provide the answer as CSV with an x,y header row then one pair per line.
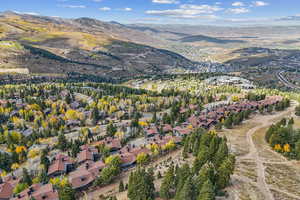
x,y
84,45
203,38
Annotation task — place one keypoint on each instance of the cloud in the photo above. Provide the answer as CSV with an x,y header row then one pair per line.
x,y
188,11
105,9
165,1
72,6
237,10
27,13
259,3
127,9
238,4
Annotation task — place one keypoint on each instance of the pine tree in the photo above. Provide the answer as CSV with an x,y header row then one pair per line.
x,y
202,157
26,177
207,172
221,154
207,191
121,186
62,142
186,191
224,172
168,184
182,174
141,185
66,193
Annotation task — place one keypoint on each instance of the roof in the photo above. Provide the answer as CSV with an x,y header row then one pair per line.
x,y
167,128
38,192
128,158
151,131
59,164
110,142
93,167
81,178
6,190
87,153
46,192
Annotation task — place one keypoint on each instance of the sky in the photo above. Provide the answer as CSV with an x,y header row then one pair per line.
x,y
219,12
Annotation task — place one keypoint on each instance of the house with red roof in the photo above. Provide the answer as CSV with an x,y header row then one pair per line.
x,y
151,131
61,164
87,153
81,179
113,143
38,192
93,167
6,191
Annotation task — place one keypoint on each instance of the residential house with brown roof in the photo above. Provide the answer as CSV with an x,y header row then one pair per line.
x,y
151,131
93,167
81,179
87,153
38,192
61,164
113,143
6,191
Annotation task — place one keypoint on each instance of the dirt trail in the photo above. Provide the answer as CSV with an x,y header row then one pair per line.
x,y
258,160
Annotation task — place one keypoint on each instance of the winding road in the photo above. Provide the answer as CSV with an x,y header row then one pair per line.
x,y
285,81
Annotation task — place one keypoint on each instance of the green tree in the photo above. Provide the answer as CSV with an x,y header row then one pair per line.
x,y
121,186
186,192
141,186
207,191
26,177
62,142
168,184
66,193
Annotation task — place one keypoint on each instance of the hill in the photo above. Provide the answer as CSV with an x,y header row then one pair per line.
x,y
203,38
55,45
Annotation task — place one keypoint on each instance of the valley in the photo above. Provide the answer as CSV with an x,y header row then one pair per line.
x,y
102,110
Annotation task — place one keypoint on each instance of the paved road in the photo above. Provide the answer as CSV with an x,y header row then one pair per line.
x,y
285,81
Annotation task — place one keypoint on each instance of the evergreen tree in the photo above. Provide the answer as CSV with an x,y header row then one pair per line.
x,y
27,179
182,174
62,142
228,122
202,157
207,191
186,192
221,154
141,186
207,172
168,184
66,193
121,186
224,171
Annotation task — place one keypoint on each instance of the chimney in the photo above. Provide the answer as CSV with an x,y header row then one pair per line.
x,y
87,165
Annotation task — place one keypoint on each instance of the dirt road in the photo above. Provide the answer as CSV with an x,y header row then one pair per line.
x,y
262,173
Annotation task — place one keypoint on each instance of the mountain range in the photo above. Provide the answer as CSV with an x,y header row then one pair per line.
x,y
88,46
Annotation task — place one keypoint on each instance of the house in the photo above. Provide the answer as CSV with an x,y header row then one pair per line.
x,y
93,167
11,179
167,128
87,153
128,160
6,191
81,179
113,143
150,132
180,131
61,164
38,192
